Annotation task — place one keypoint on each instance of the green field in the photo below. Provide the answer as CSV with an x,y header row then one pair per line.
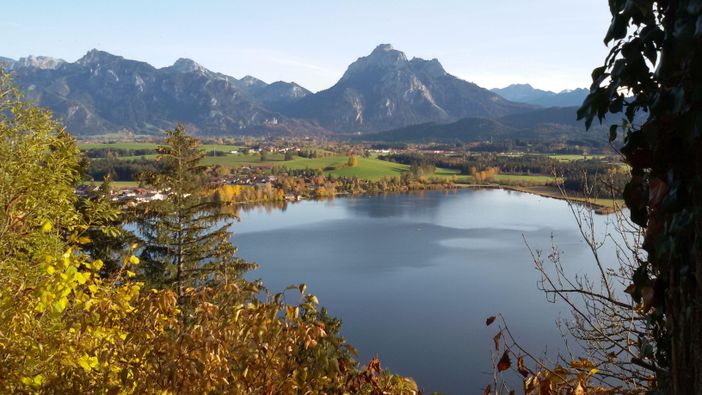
x,y
367,168
499,179
336,165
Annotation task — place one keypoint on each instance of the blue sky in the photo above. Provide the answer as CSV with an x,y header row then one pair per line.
x,y
552,44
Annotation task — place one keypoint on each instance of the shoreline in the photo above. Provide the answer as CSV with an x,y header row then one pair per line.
x,y
601,206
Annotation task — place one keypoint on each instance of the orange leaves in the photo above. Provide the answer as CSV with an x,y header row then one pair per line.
x,y
573,380
488,174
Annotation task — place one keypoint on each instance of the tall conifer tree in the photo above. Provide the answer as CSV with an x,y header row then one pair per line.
x,y
186,237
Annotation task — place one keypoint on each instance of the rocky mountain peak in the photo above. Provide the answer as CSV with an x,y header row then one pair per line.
x,y
250,80
385,53
185,65
96,57
384,57
40,62
431,68
383,48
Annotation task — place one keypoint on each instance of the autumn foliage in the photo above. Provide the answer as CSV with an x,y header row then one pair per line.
x,y
485,175
67,327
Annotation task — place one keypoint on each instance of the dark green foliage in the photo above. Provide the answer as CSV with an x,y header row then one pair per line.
x,y
654,71
185,235
535,126
109,240
119,170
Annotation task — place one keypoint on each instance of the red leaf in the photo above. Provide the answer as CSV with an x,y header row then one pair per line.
x,y
490,320
504,362
488,390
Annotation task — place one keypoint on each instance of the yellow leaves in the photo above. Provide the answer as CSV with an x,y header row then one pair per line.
x,y
292,312
50,270
35,381
46,227
88,363
133,260
81,278
59,306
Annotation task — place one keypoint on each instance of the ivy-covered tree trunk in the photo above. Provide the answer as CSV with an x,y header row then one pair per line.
x,y
654,75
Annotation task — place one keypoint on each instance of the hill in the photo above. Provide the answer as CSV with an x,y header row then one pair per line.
x,y
550,124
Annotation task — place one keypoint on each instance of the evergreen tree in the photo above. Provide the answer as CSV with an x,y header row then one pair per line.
x,y
109,240
185,236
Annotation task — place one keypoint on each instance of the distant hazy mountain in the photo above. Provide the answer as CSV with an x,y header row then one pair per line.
x,y
556,124
7,63
525,93
386,90
102,93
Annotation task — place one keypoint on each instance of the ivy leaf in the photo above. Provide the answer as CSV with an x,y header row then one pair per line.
x,y
612,133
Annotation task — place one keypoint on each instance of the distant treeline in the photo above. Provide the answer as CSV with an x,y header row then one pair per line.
x,y
119,170
596,176
97,153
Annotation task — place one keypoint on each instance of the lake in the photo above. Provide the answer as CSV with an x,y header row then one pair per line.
x,y
414,276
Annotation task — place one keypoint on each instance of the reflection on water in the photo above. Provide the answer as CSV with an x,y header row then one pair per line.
x,y
413,276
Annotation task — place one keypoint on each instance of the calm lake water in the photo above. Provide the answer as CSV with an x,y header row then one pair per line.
x,y
413,276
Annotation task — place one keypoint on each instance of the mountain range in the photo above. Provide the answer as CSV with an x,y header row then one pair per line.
x,y
525,93
104,93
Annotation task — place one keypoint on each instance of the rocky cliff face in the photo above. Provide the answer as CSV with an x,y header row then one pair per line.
x,y
102,93
386,90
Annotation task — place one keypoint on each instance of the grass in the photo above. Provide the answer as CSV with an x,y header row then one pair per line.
x,y
503,179
367,168
521,178
336,165
370,169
